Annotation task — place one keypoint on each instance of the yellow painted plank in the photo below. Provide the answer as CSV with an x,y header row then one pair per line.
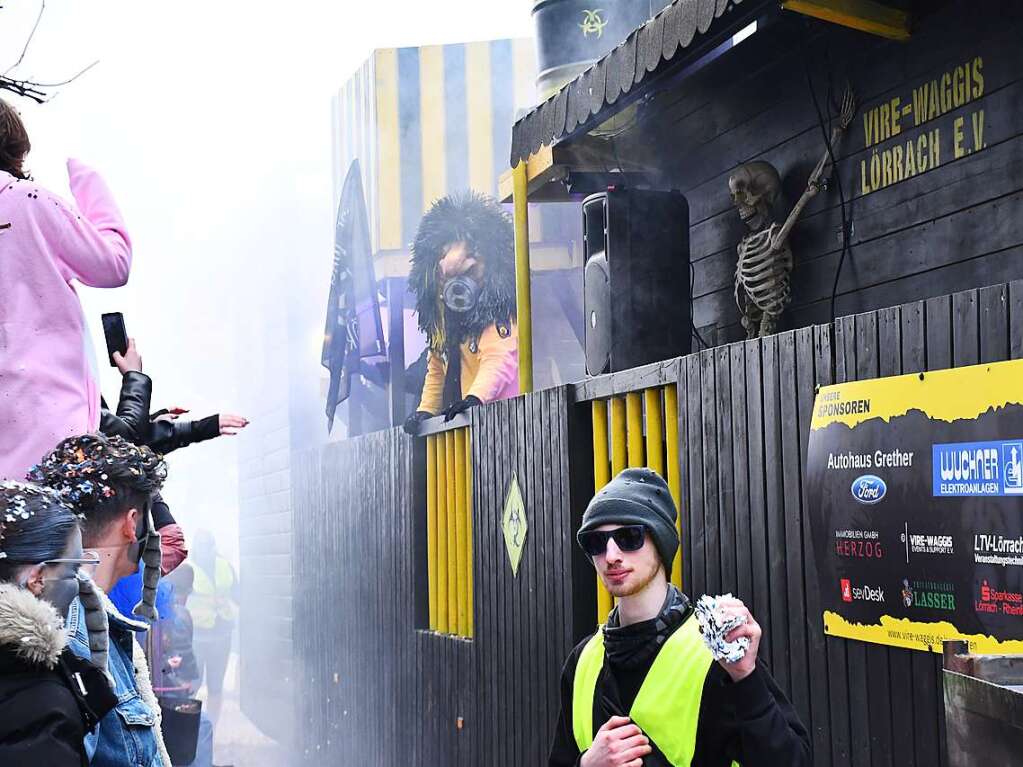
x,y
654,430
601,476
389,148
442,536
523,290
452,533
433,122
431,526
468,532
864,15
461,542
674,470
481,117
619,459
634,414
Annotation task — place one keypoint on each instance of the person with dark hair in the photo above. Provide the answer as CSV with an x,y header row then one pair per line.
x,y
49,698
110,482
47,244
645,690
463,275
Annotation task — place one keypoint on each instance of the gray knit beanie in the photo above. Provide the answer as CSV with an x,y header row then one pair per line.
x,y
637,497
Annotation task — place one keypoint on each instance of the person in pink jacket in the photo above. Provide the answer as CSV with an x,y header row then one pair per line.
x,y
48,387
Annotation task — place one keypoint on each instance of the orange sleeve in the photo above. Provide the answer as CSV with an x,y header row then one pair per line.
x,y
433,386
499,363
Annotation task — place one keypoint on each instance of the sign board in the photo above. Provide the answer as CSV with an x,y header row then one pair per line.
x,y
915,486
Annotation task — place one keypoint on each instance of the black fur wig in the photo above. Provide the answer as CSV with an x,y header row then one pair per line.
x,y
487,229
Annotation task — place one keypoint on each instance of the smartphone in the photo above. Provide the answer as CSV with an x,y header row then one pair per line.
x,y
115,334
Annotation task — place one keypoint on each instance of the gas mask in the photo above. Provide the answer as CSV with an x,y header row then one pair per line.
x,y
461,293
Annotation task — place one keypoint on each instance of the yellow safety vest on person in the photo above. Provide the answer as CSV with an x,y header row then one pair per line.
x,y
212,599
667,707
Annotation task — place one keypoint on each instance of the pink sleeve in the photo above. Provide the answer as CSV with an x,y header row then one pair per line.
x,y
94,247
173,547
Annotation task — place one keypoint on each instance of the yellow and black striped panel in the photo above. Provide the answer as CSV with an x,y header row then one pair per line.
x,y
425,122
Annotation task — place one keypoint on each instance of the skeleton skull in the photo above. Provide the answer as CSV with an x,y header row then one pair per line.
x,y
754,187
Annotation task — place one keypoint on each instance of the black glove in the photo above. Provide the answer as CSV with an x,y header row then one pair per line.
x,y
414,421
461,406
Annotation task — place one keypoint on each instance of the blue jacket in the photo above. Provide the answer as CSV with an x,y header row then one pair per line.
x,y
128,736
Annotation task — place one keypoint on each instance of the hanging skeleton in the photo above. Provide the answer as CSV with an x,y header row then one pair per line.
x,y
765,260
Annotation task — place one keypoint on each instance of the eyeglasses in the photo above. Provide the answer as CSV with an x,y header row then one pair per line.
x,y
86,564
627,538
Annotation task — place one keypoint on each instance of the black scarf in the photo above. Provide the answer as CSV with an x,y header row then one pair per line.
x,y
628,647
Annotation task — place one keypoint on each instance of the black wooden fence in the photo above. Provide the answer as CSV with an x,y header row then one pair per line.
x,y
379,690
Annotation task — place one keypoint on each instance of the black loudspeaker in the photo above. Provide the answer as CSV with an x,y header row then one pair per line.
x,y
636,289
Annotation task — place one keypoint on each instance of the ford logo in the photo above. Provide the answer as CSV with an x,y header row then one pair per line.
x,y
868,489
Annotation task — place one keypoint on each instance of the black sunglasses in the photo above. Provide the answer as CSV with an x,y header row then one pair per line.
x,y
627,538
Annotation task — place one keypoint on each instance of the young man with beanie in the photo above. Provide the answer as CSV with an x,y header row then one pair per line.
x,y
644,690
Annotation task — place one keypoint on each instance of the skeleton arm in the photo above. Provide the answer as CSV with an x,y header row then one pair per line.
x,y
813,184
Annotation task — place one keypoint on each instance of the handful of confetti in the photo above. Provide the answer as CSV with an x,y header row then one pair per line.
x,y
715,624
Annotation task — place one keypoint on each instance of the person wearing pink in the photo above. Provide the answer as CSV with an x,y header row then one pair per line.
x,y
48,386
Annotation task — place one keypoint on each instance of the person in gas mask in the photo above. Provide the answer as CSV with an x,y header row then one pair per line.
x,y
463,275
49,697
109,482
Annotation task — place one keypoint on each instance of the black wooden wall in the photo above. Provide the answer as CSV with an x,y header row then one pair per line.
x,y
955,226
376,690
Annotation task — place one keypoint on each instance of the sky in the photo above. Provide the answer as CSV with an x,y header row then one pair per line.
x,y
211,123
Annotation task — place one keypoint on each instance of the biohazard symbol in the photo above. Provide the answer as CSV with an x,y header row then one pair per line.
x,y
593,23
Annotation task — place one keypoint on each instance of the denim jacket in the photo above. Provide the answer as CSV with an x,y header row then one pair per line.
x,y
129,735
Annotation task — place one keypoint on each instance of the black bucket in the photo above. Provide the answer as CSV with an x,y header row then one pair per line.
x,y
573,34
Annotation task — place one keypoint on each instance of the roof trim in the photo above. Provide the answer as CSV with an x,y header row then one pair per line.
x,y
659,40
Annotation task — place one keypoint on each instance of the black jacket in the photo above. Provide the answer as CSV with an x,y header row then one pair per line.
x,y
132,419
49,699
750,721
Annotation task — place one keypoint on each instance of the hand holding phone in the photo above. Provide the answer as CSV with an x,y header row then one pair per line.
x,y
115,335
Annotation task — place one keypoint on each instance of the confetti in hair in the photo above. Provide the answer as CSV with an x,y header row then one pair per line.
x,y
20,501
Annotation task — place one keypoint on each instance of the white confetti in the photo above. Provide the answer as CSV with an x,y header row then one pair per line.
x,y
714,625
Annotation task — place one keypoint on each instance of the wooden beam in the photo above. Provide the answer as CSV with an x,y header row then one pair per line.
x,y
864,15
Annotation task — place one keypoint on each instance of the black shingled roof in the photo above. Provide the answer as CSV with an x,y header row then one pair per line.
x,y
643,51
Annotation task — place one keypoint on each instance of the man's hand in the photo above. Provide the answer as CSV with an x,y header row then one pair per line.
x,y
131,360
232,424
743,668
415,421
619,743
461,406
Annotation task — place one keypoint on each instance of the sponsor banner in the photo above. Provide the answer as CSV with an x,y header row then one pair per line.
x,y
915,486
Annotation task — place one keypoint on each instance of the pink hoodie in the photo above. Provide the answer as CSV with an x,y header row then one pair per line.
x,y
48,389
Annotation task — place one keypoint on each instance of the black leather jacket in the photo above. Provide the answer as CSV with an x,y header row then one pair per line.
x,y
132,420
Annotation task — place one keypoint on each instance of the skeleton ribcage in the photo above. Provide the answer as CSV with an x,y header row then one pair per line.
x,y
763,274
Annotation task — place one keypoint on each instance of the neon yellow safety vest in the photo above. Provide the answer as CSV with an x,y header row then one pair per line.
x,y
667,707
210,599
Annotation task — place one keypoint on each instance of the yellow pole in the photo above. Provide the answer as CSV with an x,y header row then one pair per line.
x,y
634,411
523,294
654,430
453,595
461,563
443,522
601,476
431,526
674,470
618,456
468,535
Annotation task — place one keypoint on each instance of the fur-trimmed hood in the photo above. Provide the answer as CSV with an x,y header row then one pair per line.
x,y
30,627
486,228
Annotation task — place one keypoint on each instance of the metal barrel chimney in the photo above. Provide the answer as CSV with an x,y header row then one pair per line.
x,y
573,34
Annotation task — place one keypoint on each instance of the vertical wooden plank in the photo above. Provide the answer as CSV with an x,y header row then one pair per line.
x,y
442,535
792,512
819,719
1016,319
757,488
878,682
711,494
533,558
461,533
451,486
938,314
726,482
674,470
775,541
619,456
740,473
993,304
965,329
684,562
654,430
431,526
634,429
601,476
696,569
831,369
